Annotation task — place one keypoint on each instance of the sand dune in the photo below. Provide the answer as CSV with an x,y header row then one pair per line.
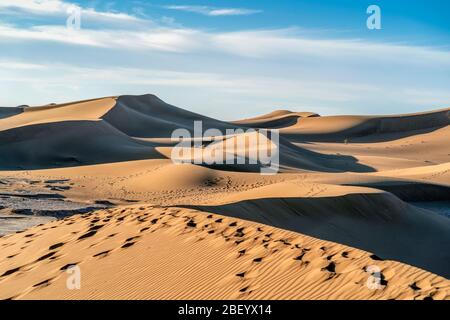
x,y
149,252
389,151
89,110
393,229
8,112
438,173
276,119
337,206
375,128
68,143
148,116
292,158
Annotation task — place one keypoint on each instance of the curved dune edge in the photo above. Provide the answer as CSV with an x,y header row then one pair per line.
x,y
312,127
339,211
409,140
355,126
439,173
6,112
161,182
151,252
362,217
276,119
82,110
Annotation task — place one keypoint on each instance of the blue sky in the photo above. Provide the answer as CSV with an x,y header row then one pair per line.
x,y
230,59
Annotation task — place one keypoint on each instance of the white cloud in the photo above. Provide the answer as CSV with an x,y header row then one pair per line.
x,y
49,33
296,89
19,65
35,6
214,12
276,43
171,40
261,44
248,69
59,7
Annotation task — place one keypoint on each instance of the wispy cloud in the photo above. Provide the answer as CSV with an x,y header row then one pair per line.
x,y
225,88
160,39
288,42
214,11
19,65
224,83
260,44
58,7
251,70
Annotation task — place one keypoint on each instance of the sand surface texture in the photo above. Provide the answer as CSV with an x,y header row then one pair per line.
x,y
356,211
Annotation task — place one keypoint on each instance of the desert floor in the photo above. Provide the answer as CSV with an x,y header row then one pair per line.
x,y
359,208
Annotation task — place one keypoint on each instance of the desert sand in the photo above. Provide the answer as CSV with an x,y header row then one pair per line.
x,y
97,180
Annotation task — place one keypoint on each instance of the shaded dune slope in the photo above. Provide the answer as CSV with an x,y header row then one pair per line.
x,y
437,174
82,110
131,122
293,158
116,124
276,119
8,112
69,143
147,116
410,190
375,222
376,128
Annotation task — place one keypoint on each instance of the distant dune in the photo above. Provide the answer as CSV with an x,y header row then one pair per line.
x,y
341,204
276,119
8,112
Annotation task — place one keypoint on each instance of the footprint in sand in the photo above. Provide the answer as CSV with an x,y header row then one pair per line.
x,y
56,245
87,235
102,254
46,256
127,245
43,284
11,271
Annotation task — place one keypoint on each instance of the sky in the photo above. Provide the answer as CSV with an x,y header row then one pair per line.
x,y
229,59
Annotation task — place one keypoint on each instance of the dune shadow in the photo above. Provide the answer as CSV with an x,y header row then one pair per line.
x,y
355,136
377,223
294,158
272,124
409,190
301,158
6,112
378,129
68,144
